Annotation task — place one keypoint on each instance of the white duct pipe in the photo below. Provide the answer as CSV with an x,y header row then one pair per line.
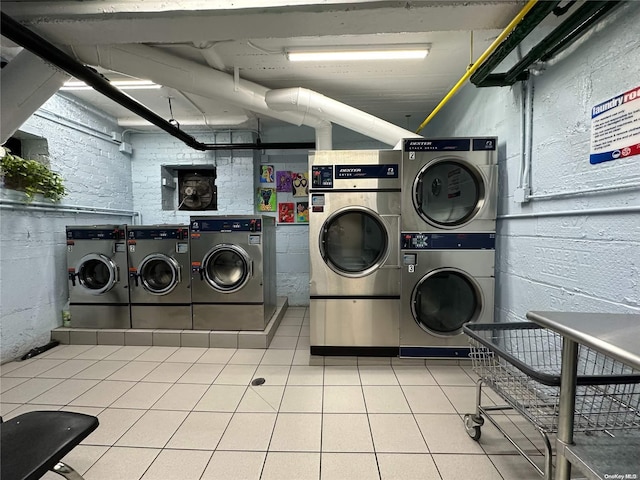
x,y
185,75
313,103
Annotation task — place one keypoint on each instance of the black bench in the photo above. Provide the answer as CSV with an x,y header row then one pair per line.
x,y
33,443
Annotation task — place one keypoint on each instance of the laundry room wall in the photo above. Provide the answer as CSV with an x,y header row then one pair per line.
x,y
583,261
76,140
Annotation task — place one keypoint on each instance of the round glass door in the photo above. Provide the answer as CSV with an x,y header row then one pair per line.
x,y
227,268
444,300
354,242
97,273
448,194
159,274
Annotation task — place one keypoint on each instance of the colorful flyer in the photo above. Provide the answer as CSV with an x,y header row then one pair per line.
x,y
615,127
266,173
266,199
286,213
300,184
283,181
302,212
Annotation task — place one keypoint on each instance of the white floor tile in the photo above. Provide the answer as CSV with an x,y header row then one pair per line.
x,y
385,399
261,399
247,356
217,355
273,374
186,355
302,399
34,368
142,395
450,375
301,357
32,407
29,390
181,396
278,357
200,431
303,343
297,432
121,463
341,375
157,354
8,367
396,433
418,375
288,321
343,399
65,392
204,373
306,375
427,399
283,343
354,466
114,422
358,438
7,408
153,429
81,458
127,353
134,371
67,369
236,375
288,330
248,431
103,394
98,352
515,466
101,369
234,465
446,434
377,375
221,398
403,466
66,351
8,383
463,398
291,465
178,465
455,467
167,372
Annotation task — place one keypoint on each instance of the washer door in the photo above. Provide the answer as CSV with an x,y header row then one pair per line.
x,y
448,193
227,268
159,274
97,273
445,299
354,242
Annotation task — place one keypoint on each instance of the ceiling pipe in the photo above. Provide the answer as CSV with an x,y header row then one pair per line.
x,y
50,53
308,102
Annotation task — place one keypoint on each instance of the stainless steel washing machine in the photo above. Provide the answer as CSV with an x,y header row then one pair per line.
x,y
447,281
449,184
159,276
354,223
233,283
97,271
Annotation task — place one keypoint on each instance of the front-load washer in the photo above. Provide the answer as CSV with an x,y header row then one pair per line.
x,y
354,223
449,184
159,276
447,281
97,272
233,282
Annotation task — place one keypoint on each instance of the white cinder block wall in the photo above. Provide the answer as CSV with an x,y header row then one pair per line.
x,y
33,283
584,262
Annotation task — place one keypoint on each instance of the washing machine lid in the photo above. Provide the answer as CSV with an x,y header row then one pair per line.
x,y
227,268
354,241
159,274
449,192
444,300
96,273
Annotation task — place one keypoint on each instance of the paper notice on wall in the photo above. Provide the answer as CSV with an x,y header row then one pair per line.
x,y
615,127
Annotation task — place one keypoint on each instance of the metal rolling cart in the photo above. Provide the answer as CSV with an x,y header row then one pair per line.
x,y
523,362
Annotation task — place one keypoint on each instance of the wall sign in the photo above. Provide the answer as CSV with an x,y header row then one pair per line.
x,y
615,127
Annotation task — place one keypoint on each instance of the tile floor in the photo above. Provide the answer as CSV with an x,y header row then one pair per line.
x,y
189,413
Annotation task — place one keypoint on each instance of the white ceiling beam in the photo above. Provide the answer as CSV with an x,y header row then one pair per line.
x,y
326,19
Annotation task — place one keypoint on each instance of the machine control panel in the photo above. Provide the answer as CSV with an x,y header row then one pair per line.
x,y
449,144
226,225
179,233
95,234
447,241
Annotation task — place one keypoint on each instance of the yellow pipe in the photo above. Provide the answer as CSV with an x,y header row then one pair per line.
x,y
480,61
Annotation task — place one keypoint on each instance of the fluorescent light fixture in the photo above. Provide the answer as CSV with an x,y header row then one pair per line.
x,y
359,53
121,84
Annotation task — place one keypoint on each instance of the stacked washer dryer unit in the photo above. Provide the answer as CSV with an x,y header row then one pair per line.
x,y
97,271
354,223
449,204
159,276
233,261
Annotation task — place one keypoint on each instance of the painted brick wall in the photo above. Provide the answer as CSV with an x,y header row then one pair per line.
x,y
33,284
572,263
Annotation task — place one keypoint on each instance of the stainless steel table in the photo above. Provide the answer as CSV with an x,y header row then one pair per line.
x,y
615,335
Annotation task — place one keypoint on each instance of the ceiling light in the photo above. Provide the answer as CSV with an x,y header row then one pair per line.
x,y
358,53
121,84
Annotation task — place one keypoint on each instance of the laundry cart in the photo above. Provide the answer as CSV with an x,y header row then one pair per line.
x,y
521,362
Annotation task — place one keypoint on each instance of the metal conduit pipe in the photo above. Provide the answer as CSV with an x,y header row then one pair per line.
x,y
10,204
610,188
569,213
50,53
496,43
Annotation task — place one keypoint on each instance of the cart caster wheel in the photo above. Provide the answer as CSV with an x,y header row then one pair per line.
x,y
472,425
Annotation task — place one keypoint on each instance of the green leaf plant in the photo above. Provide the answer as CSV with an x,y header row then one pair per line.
x,y
30,177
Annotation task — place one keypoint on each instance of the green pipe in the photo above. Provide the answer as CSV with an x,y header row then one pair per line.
x,y
526,26
564,30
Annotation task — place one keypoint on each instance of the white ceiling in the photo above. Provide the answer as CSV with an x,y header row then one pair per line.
x,y
228,35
